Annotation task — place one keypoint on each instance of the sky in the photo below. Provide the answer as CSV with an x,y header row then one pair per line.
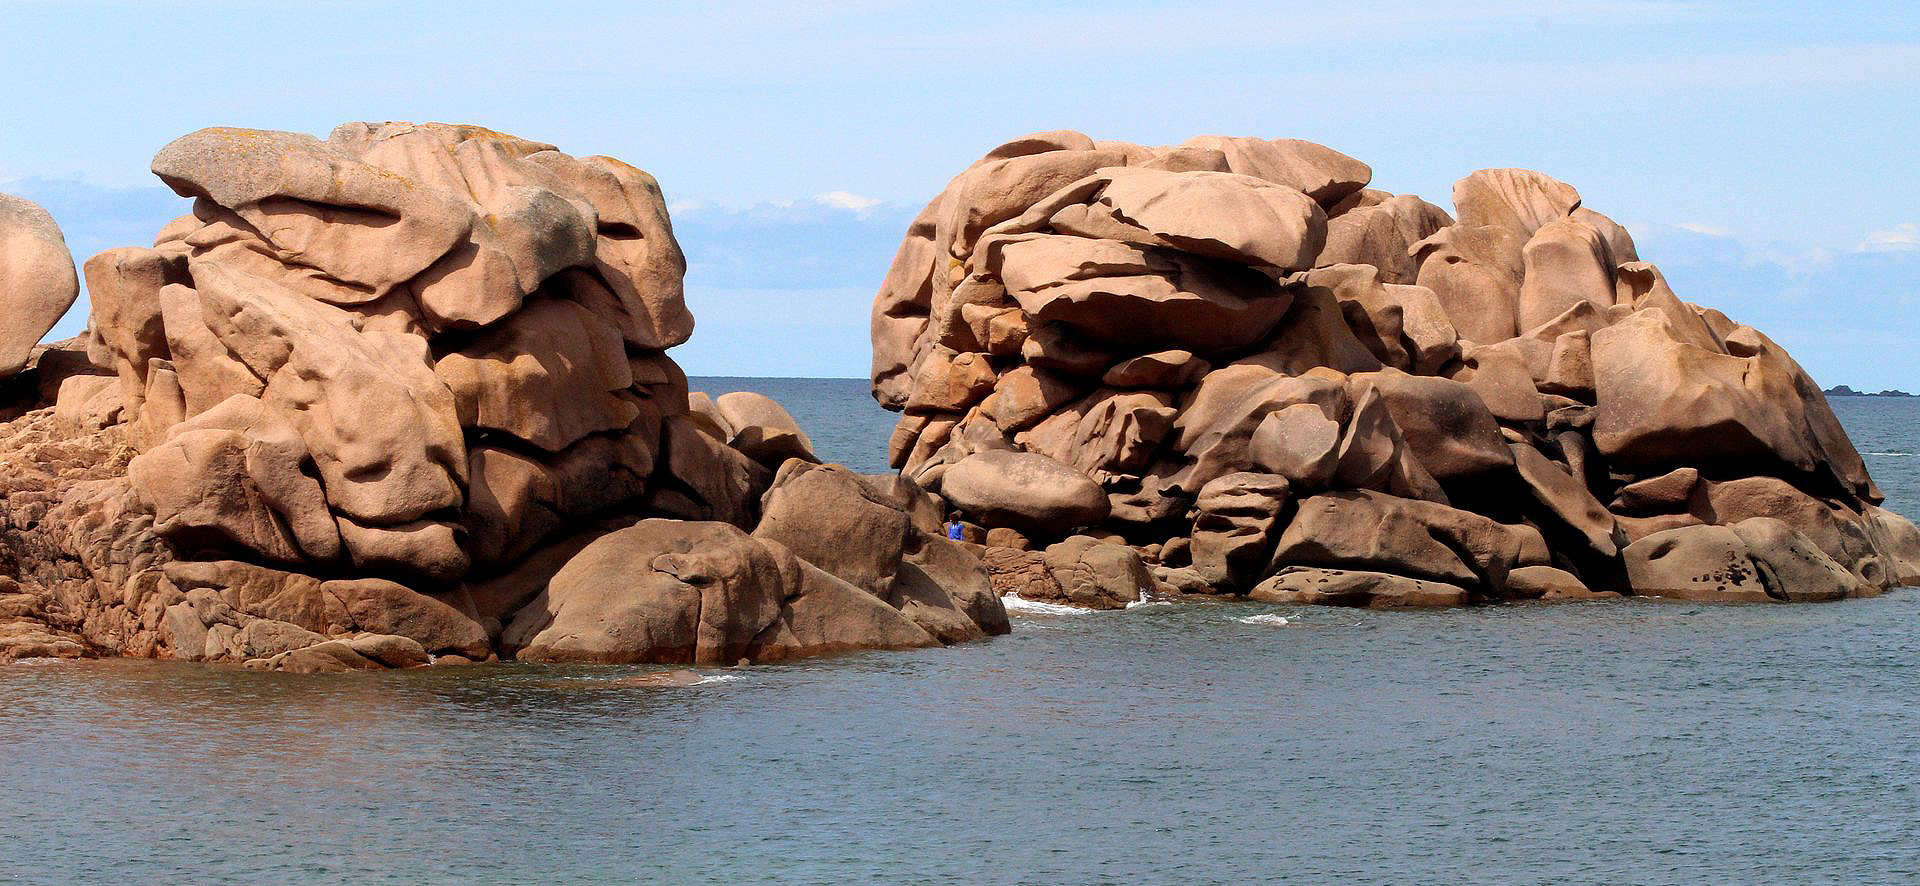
x,y
1763,154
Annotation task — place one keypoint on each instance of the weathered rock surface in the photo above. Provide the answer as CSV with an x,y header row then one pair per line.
x,y
1023,490
1080,571
681,591
1366,590
37,281
402,395
1282,380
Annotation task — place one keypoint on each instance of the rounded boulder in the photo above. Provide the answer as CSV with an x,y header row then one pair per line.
x,y
1024,490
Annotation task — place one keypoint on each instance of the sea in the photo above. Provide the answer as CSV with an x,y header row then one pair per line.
x,y
1615,742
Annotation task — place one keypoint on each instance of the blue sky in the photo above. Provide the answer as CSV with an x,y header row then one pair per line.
x,y
1763,153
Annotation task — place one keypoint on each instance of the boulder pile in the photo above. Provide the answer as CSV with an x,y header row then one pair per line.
x,y
1271,380
377,390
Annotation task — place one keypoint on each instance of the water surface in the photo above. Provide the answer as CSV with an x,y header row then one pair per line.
x,y
1216,743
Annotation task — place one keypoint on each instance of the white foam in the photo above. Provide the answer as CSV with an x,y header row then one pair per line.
x,y
1017,605
41,661
1265,618
1144,601
1890,454
718,678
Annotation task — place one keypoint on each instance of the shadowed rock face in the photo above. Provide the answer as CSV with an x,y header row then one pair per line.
x,y
390,384
1274,371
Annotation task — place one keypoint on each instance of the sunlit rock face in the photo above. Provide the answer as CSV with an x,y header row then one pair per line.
x,y
1286,381
365,403
37,282
403,350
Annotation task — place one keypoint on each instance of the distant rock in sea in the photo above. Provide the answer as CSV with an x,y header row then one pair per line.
x,y
1844,391
403,395
1292,386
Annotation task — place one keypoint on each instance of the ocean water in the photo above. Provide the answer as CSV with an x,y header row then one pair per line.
x,y
838,414
1886,430
1217,743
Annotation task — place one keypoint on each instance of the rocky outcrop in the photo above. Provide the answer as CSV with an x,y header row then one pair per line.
x,y
839,562
1288,385
402,395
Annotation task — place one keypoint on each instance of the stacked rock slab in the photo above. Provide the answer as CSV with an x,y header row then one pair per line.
x,y
389,384
1287,383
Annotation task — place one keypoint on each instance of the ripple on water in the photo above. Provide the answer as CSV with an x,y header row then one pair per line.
x,y
1606,742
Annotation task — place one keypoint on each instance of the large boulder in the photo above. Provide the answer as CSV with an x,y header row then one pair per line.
x,y
1216,429
1840,532
270,607
1665,401
1446,426
1300,443
1137,296
1792,567
1382,235
1519,200
1220,215
37,280
827,616
1233,533
1024,490
671,591
940,579
1708,563
1564,500
829,517
1757,560
1366,590
762,429
1896,537
1096,574
662,591
1475,273
1375,532
238,476
1082,572
1404,326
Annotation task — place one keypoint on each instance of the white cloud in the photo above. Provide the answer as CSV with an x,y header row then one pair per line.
x,y
846,200
1706,229
1904,237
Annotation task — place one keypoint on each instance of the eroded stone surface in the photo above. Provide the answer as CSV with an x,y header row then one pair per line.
x,y
393,396
1438,399
37,280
